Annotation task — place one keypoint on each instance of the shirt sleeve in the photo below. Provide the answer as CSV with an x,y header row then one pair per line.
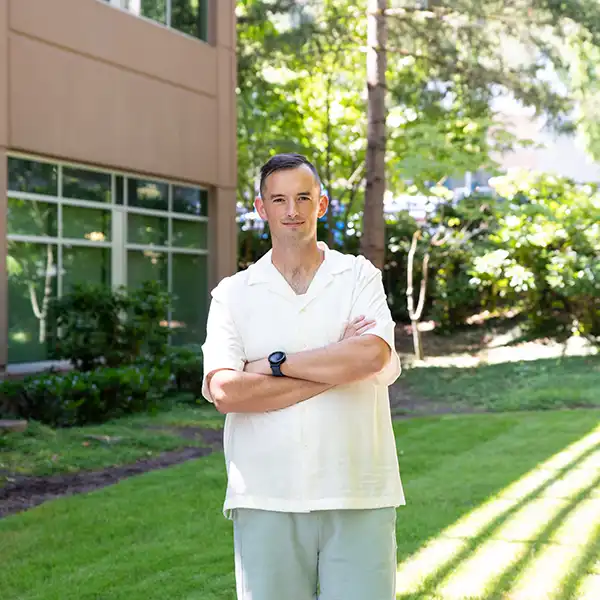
x,y
223,347
370,300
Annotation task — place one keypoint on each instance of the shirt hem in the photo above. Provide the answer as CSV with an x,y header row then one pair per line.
x,y
276,505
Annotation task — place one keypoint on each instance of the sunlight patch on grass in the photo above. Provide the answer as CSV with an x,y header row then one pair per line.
x,y
542,577
497,543
474,575
590,587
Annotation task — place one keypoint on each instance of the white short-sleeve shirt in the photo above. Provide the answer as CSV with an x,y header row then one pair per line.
x,y
336,450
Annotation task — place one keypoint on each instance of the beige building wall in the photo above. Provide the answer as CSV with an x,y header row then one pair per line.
x,y
85,82
3,177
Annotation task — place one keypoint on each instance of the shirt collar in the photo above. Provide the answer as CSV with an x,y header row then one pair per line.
x,y
264,271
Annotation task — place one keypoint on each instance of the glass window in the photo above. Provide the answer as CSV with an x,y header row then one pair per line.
x,y
28,217
147,194
119,189
32,176
82,264
145,265
147,230
87,223
31,285
33,275
190,234
191,17
152,9
190,305
191,201
81,184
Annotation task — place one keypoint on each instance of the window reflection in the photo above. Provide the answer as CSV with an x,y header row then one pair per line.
x,y
28,217
32,284
190,200
32,176
81,184
147,194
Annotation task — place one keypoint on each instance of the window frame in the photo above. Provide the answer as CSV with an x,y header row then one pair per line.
x,y
118,243
122,5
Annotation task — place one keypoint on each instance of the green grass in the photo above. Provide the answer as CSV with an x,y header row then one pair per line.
x,y
45,451
162,535
570,382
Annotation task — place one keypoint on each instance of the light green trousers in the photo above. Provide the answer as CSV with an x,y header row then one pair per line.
x,y
329,555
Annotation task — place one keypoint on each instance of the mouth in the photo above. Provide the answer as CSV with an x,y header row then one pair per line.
x,y
293,224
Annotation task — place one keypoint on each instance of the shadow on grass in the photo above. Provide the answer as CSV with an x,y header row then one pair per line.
x,y
510,575
540,384
431,583
582,568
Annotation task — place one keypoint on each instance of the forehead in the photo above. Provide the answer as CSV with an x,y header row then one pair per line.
x,y
290,181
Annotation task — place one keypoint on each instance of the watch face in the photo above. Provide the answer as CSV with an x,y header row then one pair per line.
x,y
276,357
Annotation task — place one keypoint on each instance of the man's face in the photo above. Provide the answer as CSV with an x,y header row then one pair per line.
x,y
292,203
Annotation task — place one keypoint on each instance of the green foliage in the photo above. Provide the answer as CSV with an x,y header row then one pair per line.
x,y
99,326
399,231
186,368
546,253
77,398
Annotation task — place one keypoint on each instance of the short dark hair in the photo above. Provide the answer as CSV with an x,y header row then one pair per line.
x,y
280,162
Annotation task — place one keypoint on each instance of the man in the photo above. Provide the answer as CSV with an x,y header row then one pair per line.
x,y
299,355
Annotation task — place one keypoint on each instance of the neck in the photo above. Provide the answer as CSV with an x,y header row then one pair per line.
x,y
302,258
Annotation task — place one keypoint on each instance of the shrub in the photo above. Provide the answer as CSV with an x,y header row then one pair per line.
x,y
77,398
185,367
99,326
545,255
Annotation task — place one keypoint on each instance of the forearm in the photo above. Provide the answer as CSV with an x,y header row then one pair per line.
x,y
341,363
235,392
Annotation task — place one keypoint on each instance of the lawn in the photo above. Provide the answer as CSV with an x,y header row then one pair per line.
x,y
569,382
45,451
492,498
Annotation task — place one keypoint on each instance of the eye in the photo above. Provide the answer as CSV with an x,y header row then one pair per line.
x,y
304,197
277,200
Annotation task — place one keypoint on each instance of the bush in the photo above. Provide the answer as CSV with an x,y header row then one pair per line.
x,y
545,255
186,368
78,398
98,326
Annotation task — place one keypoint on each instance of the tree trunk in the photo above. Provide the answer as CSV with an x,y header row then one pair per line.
x,y
373,235
417,345
330,219
416,314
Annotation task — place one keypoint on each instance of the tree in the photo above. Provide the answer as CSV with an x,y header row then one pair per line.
x,y
300,90
373,240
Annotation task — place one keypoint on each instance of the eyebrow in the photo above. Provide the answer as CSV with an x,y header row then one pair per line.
x,y
298,194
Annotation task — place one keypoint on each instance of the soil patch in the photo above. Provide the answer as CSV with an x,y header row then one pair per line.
x,y
24,492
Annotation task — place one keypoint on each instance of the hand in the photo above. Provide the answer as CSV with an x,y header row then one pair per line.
x,y
357,327
260,367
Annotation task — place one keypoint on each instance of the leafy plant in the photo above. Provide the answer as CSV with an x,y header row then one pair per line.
x,y
99,326
545,254
77,398
185,366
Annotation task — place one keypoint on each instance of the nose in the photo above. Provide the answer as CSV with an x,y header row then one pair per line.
x,y
292,208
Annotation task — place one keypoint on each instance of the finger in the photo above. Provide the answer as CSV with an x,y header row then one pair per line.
x,y
363,330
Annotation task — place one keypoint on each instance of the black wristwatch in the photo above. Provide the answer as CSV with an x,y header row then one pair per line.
x,y
276,359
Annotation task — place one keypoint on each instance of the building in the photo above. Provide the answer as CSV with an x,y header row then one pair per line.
x,y
117,156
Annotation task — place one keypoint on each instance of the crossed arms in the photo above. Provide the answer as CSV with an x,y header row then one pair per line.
x,y
354,358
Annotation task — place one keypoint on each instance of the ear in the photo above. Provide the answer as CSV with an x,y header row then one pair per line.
x,y
259,205
323,205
